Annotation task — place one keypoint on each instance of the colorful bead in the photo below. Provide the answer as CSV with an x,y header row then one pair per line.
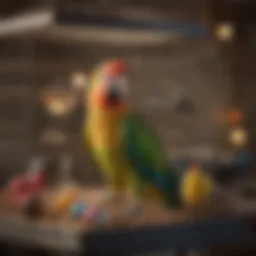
x,y
78,209
91,214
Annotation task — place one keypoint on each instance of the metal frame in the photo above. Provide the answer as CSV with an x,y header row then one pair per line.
x,y
111,22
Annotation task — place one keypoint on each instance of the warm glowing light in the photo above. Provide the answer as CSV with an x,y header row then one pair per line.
x,y
225,31
238,137
59,103
78,81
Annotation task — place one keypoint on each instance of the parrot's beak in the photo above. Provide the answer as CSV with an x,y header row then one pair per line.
x,y
112,88
113,98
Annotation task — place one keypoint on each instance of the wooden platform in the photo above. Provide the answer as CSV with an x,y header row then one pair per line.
x,y
153,227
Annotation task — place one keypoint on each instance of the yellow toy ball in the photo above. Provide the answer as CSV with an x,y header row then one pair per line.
x,y
196,187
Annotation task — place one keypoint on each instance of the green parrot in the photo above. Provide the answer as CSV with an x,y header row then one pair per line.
x,y
125,148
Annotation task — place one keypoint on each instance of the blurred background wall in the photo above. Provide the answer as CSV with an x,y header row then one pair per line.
x,y
161,79
179,85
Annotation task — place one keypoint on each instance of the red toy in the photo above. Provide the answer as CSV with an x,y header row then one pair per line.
x,y
18,184
36,180
23,188
19,190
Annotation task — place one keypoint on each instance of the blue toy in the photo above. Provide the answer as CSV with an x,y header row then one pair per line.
x,y
78,209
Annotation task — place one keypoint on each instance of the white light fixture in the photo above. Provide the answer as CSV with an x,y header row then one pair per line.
x,y
43,23
118,37
78,81
238,137
32,21
225,31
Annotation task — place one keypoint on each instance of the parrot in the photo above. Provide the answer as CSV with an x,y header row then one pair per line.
x,y
123,145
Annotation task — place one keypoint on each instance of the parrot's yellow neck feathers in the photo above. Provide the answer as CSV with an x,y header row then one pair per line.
x,y
104,127
106,115
103,120
91,89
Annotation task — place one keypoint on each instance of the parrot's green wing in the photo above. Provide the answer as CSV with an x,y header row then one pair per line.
x,y
145,153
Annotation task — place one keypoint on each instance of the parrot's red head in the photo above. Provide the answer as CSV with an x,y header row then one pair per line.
x,y
109,88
